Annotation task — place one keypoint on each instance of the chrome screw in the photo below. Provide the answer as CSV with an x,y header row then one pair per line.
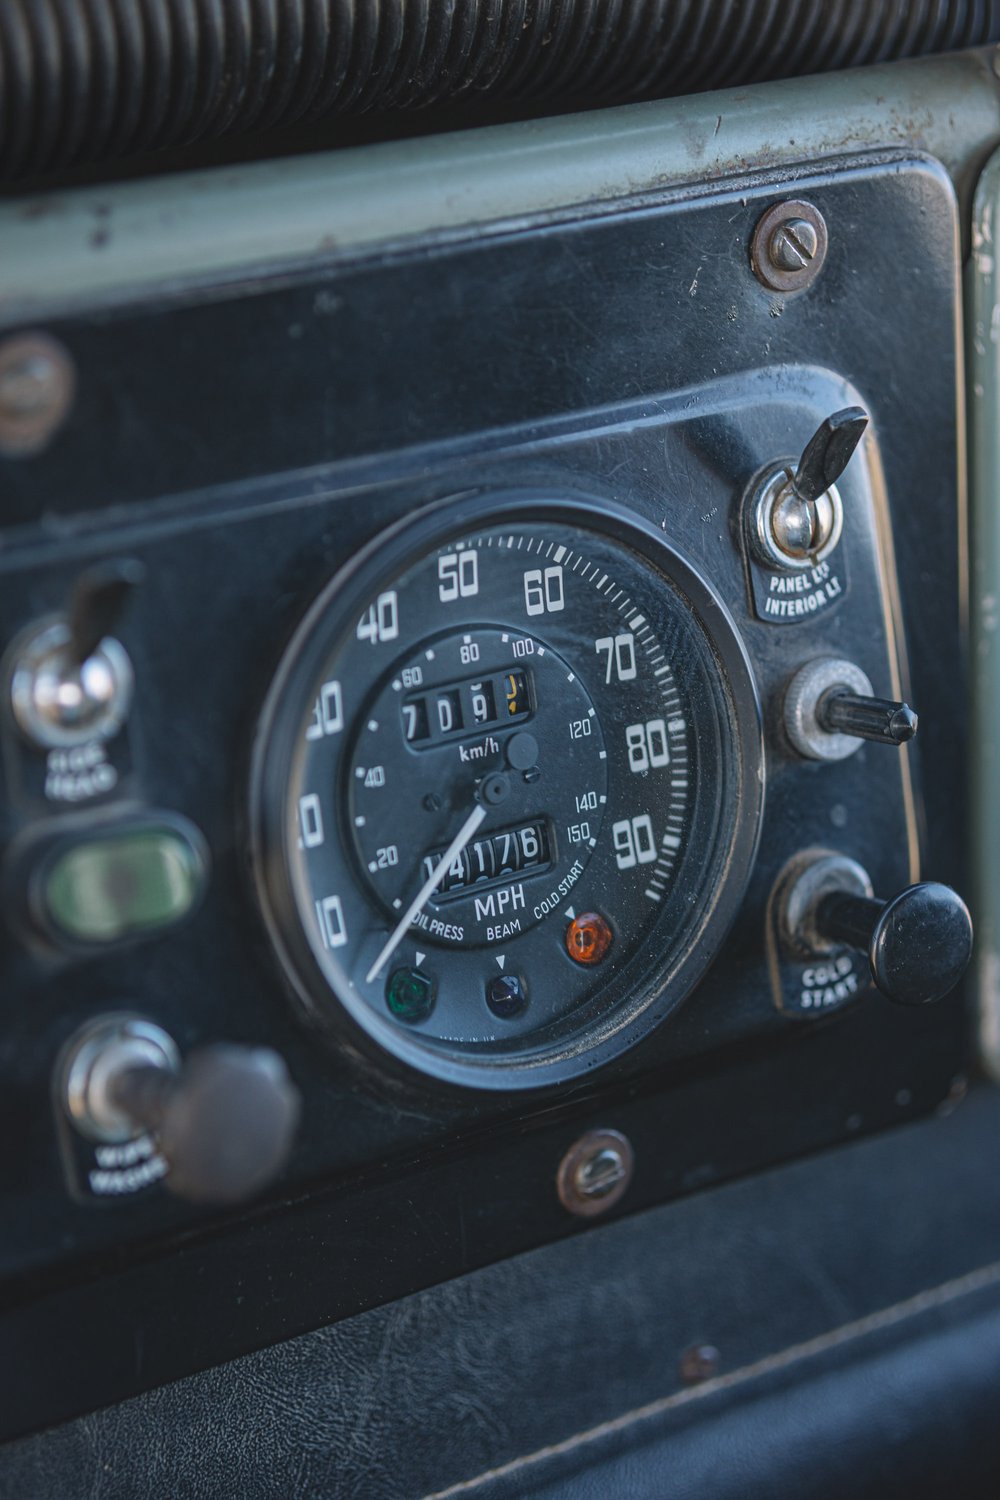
x,y
595,1172
37,386
699,1363
789,246
793,246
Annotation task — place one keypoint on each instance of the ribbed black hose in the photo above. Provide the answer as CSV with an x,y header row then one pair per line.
x,y
83,80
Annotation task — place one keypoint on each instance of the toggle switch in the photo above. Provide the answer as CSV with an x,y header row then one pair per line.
x,y
865,718
918,943
796,515
830,708
70,679
224,1120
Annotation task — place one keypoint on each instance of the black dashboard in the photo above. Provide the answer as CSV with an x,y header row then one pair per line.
x,y
486,810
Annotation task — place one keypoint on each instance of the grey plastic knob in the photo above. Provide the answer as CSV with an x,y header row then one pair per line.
x,y
225,1122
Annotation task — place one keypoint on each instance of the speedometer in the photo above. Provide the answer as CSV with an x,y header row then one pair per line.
x,y
506,790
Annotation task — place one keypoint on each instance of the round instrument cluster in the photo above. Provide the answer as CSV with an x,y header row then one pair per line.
x,y
506,790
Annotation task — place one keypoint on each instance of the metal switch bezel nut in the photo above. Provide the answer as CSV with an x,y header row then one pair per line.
x,y
801,888
763,502
59,707
803,696
102,1050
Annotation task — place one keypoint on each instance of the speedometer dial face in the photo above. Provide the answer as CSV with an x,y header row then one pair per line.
x,y
506,791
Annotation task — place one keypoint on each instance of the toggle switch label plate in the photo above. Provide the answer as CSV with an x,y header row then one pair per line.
x,y
105,1172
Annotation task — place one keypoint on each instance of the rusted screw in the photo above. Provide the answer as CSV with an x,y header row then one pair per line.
x,y
794,244
699,1363
595,1172
37,385
789,246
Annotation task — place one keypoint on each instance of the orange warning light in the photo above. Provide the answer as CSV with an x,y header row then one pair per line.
x,y
588,938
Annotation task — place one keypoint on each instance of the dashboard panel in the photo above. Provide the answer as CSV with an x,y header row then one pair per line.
x,y
454,854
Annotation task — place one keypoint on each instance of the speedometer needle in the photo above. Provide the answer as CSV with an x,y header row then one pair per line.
x,y
428,888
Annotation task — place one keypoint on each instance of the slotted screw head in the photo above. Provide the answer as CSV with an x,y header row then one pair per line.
x,y
595,1172
37,386
793,245
788,246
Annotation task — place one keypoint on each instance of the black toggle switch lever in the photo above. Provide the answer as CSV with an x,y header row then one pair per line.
x,y
877,719
828,452
795,514
71,679
223,1120
918,944
98,602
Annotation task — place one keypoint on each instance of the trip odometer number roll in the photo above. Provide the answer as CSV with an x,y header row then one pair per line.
x,y
506,790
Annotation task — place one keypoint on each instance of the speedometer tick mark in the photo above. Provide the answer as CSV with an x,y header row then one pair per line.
x,y
560,554
359,822
570,677
373,725
604,755
396,686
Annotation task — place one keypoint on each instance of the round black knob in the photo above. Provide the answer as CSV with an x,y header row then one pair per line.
x,y
918,944
225,1122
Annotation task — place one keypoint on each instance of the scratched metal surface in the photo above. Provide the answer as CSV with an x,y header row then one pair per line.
x,y
64,246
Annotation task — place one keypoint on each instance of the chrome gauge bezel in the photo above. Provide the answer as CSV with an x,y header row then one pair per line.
x,y
632,1009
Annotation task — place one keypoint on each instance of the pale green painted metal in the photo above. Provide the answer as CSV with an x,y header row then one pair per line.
x,y
983,400
66,247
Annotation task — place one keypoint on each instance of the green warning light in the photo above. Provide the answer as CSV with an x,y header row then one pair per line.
x,y
409,994
127,881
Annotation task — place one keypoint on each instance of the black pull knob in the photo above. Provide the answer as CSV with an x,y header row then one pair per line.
x,y
828,451
98,600
877,719
225,1122
918,944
